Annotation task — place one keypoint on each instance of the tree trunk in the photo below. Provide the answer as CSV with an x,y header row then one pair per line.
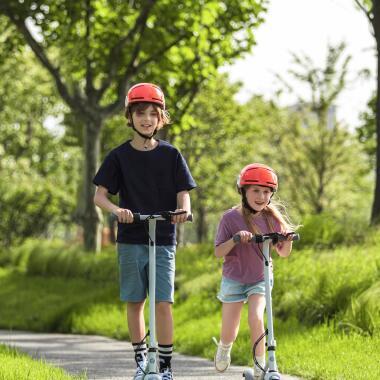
x,y
375,215
91,216
201,224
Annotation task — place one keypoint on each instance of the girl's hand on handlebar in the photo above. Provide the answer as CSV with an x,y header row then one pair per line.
x,y
181,218
124,215
245,236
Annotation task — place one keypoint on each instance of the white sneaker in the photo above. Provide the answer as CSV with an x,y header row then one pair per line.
x,y
141,366
222,357
167,374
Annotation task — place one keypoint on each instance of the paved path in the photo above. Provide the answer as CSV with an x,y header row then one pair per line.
x,y
106,359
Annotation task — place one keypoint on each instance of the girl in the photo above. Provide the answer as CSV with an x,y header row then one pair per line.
x,y
243,273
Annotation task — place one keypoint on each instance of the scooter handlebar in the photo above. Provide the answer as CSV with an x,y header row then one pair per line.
x,y
165,215
275,237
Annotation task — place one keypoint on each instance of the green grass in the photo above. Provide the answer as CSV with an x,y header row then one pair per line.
x,y
46,304
320,353
326,304
17,366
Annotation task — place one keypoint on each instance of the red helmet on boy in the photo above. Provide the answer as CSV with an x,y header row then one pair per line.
x,y
145,92
258,174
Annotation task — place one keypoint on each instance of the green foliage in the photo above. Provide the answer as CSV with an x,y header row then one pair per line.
x,y
222,136
19,366
38,174
45,258
178,45
330,230
319,160
50,303
321,298
30,204
364,314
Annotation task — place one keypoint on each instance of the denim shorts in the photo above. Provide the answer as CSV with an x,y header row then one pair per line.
x,y
234,291
134,272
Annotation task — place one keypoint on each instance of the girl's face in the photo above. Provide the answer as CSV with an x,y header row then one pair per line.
x,y
258,197
146,119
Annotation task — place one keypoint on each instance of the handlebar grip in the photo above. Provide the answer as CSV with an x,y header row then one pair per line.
x,y
136,217
296,237
190,218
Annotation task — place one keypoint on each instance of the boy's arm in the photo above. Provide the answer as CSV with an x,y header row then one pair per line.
x,y
102,201
183,203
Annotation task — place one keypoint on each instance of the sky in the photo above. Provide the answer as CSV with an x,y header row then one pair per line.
x,y
307,27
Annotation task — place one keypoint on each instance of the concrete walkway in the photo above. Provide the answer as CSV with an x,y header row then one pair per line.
x,y
103,358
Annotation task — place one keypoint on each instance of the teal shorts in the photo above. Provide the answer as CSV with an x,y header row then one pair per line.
x,y
134,272
234,291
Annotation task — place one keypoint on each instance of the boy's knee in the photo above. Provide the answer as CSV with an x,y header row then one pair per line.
x,y
135,306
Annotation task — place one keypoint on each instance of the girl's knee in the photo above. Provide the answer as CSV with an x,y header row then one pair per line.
x,y
256,320
164,307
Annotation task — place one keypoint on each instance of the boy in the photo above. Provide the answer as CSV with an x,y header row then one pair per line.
x,y
150,176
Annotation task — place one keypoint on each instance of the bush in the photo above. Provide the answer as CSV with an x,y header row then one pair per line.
x,y
327,231
364,313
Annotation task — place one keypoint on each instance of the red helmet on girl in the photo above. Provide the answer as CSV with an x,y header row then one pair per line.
x,y
258,174
145,92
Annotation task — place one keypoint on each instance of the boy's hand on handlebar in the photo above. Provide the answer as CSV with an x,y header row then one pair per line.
x,y
124,215
180,218
245,236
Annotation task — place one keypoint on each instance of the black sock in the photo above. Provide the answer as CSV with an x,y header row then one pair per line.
x,y
140,351
165,353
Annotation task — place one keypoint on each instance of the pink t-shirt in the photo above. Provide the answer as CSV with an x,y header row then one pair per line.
x,y
244,262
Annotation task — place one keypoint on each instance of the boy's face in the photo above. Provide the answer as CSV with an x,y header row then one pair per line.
x,y
258,197
146,119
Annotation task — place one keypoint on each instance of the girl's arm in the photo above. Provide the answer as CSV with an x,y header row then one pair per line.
x,y
224,249
284,248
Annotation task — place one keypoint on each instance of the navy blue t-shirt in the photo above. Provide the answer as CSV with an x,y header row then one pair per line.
x,y
147,182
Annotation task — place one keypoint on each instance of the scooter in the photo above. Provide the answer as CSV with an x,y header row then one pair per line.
x,y
270,372
151,370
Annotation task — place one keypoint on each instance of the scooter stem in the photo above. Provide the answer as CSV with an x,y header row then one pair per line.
x,y
152,350
271,343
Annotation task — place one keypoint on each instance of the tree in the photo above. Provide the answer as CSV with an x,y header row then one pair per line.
x,y
222,137
316,155
94,50
38,173
371,9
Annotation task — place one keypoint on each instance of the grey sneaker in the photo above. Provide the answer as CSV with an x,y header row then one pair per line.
x,y
222,358
139,375
258,374
167,374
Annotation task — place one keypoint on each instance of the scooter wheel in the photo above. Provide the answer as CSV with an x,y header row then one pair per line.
x,y
248,374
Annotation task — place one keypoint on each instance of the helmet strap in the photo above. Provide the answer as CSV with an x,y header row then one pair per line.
x,y
146,137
